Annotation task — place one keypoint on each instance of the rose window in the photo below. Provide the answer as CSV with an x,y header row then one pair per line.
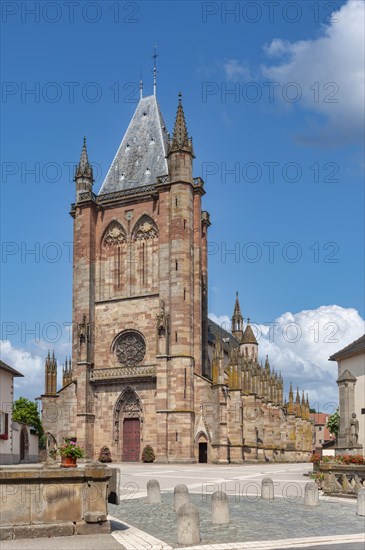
x,y
130,349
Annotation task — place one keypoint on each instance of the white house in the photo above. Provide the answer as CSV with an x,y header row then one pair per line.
x,y
17,443
351,387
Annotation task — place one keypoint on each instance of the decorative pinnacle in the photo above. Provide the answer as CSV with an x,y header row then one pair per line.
x,y
180,139
237,315
297,397
84,168
267,364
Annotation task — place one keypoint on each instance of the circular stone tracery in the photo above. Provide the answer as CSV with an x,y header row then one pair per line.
x,y
130,349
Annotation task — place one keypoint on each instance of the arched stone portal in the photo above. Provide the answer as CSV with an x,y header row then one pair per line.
x,y
202,441
128,425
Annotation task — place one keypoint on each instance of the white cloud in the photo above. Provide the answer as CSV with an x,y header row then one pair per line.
x,y
31,363
337,57
299,344
234,69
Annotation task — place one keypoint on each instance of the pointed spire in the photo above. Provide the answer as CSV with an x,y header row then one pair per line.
x,y
237,319
297,397
84,177
290,404
291,395
180,140
267,364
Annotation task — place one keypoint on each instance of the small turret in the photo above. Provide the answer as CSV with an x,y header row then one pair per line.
x,y
67,373
50,369
248,343
84,177
237,320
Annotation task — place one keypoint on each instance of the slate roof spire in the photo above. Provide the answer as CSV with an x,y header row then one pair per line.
x,y
141,156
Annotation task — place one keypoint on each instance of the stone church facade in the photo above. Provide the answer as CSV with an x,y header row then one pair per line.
x,y
148,367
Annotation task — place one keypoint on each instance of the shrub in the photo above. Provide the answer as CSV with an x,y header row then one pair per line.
x,y
105,454
148,455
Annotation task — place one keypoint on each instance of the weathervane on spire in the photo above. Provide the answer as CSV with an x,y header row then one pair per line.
x,y
154,57
141,87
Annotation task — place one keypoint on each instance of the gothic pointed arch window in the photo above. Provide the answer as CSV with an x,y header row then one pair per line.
x,y
144,256
113,261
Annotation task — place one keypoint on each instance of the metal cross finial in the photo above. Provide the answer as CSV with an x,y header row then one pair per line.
x,y
141,86
154,57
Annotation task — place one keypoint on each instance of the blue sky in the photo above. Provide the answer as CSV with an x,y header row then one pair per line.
x,y
272,93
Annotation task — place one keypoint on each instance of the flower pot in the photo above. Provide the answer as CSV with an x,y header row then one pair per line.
x,y
68,462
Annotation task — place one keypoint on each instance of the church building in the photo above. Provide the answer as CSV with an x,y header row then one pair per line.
x,y
148,367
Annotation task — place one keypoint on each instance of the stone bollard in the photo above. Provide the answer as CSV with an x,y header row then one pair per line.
x,y
181,496
267,489
188,528
220,509
153,492
361,502
311,495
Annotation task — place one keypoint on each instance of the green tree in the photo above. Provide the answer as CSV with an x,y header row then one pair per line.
x,y
333,423
26,411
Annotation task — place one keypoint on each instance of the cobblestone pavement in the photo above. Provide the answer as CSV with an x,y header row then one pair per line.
x,y
288,478
252,519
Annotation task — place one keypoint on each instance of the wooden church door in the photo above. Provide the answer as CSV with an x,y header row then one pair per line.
x,y
131,440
